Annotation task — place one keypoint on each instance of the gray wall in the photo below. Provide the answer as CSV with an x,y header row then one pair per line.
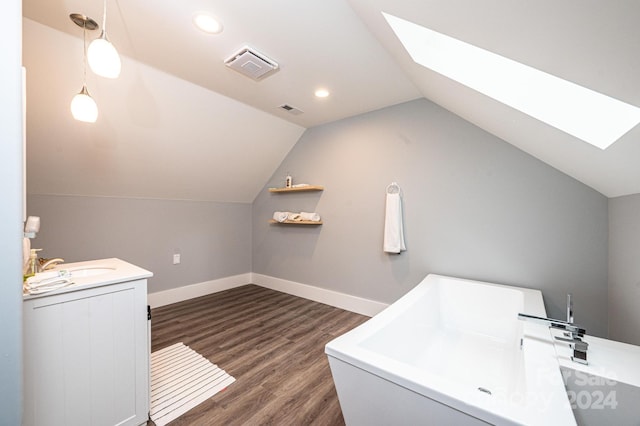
x,y
10,213
213,239
624,269
475,207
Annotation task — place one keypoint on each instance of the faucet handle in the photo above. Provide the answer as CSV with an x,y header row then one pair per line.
x,y
576,341
569,309
579,347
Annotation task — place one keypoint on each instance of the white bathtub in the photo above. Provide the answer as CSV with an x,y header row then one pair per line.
x,y
449,352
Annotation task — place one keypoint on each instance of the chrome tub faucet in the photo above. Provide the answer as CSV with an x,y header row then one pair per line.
x,y
573,334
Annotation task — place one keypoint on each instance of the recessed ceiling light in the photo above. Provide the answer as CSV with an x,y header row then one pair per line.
x,y
588,115
207,23
322,93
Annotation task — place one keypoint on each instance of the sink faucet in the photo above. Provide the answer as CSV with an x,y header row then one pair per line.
x,y
573,333
49,263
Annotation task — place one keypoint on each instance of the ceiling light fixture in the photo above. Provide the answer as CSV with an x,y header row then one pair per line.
x,y
207,23
322,93
103,56
83,107
588,115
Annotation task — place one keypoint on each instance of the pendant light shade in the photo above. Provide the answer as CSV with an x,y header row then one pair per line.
x,y
103,57
83,107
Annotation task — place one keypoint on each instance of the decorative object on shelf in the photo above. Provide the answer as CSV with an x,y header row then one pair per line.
x,y
83,107
288,181
393,226
104,59
299,188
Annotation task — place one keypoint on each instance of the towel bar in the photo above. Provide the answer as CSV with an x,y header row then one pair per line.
x,y
393,188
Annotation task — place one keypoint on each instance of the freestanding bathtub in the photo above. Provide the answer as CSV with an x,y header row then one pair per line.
x,y
451,352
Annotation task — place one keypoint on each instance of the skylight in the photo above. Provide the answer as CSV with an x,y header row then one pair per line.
x,y
588,115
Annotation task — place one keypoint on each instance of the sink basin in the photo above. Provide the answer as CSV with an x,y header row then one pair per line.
x,y
90,271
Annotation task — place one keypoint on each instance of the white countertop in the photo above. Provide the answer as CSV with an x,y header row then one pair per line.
x,y
121,272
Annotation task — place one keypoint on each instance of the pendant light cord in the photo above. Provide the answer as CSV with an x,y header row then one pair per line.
x,y
104,18
84,52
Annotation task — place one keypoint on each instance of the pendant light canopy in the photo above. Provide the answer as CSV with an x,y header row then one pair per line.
x,y
83,107
104,59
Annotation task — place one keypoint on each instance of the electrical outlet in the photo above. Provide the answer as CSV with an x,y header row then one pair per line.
x,y
176,258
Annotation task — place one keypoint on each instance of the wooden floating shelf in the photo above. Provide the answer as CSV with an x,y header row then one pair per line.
x,y
295,222
298,188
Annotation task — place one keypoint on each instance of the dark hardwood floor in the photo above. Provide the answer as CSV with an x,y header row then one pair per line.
x,y
272,343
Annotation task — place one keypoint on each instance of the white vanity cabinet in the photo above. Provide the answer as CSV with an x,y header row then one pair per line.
x,y
86,350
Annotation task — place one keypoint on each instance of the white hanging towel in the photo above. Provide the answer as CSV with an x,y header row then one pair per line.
x,y
393,228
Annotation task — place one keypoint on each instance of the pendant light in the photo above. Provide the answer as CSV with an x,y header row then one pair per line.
x,y
83,107
103,56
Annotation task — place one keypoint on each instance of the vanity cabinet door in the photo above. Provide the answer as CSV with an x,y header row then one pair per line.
x,y
87,357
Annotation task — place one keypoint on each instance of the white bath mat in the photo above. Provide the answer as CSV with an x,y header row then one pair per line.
x,y
181,379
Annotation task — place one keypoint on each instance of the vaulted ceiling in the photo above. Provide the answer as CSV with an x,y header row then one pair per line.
x,y
179,124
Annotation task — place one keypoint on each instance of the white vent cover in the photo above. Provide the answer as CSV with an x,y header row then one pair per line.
x,y
251,63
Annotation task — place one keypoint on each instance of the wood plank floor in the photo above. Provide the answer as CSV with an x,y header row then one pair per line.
x,y
272,343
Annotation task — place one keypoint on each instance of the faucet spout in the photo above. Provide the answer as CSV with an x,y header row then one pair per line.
x,y
49,263
554,323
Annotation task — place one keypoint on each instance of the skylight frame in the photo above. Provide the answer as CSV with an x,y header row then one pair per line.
x,y
590,116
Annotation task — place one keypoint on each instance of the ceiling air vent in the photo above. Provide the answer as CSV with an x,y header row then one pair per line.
x,y
291,110
251,63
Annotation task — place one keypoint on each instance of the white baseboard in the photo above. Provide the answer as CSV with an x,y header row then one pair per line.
x,y
179,294
355,304
344,301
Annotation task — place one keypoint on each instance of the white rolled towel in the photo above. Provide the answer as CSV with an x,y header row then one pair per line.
x,y
281,216
312,217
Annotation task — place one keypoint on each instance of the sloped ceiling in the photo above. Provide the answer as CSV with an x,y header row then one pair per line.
x,y
591,43
157,136
179,124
